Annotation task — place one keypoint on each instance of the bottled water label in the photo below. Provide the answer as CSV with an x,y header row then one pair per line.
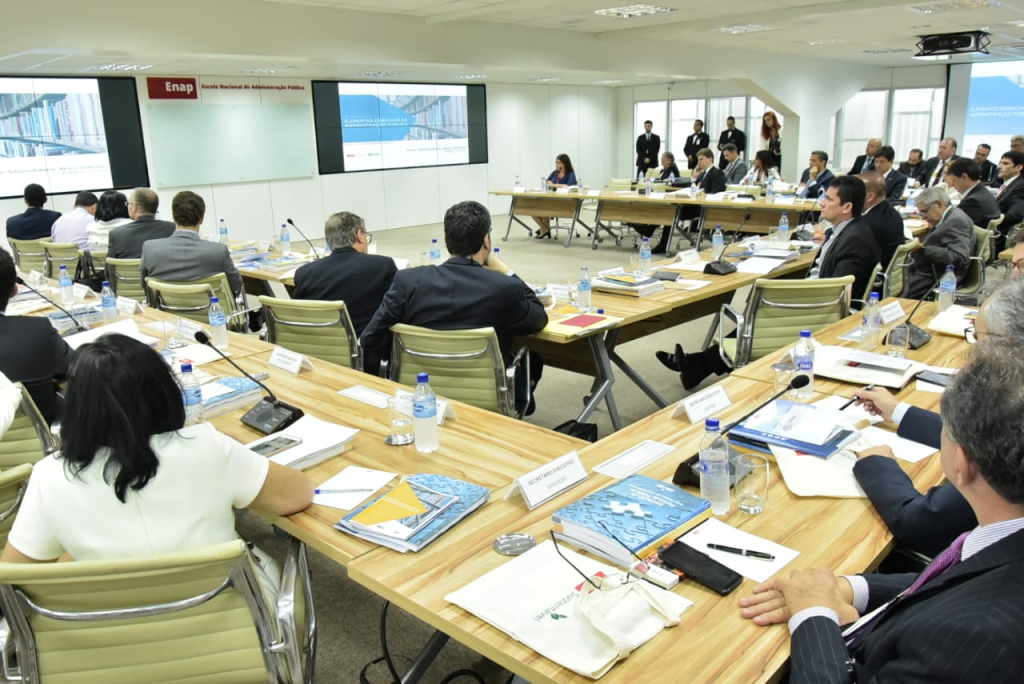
x,y
424,408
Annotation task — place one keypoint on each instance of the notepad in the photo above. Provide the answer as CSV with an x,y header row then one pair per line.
x,y
359,483
714,531
903,449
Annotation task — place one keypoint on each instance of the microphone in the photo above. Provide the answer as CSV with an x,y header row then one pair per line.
x,y
316,254
720,266
77,323
918,337
685,474
271,414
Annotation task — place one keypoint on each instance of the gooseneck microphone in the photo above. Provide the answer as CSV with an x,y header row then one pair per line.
x,y
316,254
271,414
77,323
918,337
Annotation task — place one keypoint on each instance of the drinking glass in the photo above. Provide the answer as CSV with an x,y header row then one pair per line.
x,y
400,413
634,265
752,485
899,340
574,293
785,371
176,340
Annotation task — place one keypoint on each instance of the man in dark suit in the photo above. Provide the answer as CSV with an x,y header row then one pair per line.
x,y
866,161
1010,198
962,619
913,167
934,169
695,142
710,179
816,177
125,242
348,274
975,199
988,169
647,147
950,242
35,222
852,248
473,289
885,222
731,135
31,351
895,182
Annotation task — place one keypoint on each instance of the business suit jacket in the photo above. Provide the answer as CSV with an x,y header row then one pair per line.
x,y
1011,205
929,168
861,164
695,142
738,138
980,205
988,172
647,149
186,256
32,353
895,184
361,280
735,171
854,252
950,242
887,226
125,242
926,523
911,172
964,625
457,295
33,224
670,170
712,180
816,186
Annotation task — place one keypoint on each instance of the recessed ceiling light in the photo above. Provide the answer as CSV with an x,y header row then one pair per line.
x,y
119,67
610,81
630,11
742,28
820,41
885,51
931,58
378,74
545,79
471,77
266,70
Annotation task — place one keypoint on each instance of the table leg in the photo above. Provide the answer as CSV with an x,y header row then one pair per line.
x,y
611,340
512,217
425,658
700,224
597,225
604,379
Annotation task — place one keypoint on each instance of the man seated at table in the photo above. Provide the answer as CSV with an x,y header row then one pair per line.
x,y
473,289
962,619
895,182
125,242
74,227
708,178
31,351
348,274
35,222
975,199
913,167
669,170
949,242
1010,197
185,255
885,222
816,177
735,168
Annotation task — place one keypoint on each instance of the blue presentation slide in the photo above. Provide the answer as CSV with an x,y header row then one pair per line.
x,y
995,107
403,125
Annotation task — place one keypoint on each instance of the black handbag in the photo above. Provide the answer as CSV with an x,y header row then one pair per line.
x,y
574,428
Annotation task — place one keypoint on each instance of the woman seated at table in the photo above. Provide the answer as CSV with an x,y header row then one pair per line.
x,y
111,212
562,177
762,170
669,170
133,480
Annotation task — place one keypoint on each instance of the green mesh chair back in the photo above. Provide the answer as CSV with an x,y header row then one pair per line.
x,y
60,254
12,488
125,278
191,299
320,329
28,439
895,273
974,278
29,255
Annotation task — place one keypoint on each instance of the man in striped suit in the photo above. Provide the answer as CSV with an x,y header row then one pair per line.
x,y
962,619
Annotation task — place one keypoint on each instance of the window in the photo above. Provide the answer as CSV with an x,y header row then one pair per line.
x,y
916,120
684,113
860,120
720,109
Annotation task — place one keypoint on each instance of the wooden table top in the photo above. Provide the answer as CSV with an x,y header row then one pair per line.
x,y
679,197
843,534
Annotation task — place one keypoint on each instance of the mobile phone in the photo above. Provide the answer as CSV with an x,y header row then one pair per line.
x,y
276,445
701,568
940,379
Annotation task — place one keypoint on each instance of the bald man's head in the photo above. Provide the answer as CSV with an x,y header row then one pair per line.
x,y
874,184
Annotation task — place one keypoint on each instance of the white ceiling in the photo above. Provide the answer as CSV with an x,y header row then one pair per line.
x,y
507,40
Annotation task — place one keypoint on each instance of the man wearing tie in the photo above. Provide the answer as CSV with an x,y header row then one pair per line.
x,y
866,161
1011,194
647,147
988,169
895,182
913,167
962,619
695,143
932,173
732,135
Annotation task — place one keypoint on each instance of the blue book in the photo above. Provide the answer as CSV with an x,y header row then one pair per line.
x,y
638,512
759,433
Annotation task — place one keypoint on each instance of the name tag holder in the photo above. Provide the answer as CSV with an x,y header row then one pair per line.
x,y
289,361
703,404
128,307
891,312
548,481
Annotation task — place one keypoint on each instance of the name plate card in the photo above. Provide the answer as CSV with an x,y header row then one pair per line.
x,y
82,291
594,193
562,191
656,195
520,188
891,312
611,271
36,278
289,361
128,307
559,290
703,404
548,481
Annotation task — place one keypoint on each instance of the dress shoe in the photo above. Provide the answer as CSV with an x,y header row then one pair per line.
x,y
540,236
667,359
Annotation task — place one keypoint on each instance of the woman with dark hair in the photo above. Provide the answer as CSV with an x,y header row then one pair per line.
x,y
771,137
132,480
562,177
762,170
111,212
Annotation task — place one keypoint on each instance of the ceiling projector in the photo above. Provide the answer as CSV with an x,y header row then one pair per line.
x,y
952,44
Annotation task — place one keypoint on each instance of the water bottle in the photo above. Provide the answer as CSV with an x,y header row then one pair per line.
x,y
285,240
424,415
871,323
947,289
583,290
645,257
803,357
693,189
192,395
783,234
770,191
714,468
717,243
435,252
648,187
543,184
912,204
67,287
223,232
218,324
108,303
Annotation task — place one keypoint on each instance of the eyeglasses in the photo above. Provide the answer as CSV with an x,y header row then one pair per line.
x,y
369,236
601,582
1017,266
971,334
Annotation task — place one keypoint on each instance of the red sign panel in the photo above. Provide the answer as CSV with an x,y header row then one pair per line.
x,y
172,88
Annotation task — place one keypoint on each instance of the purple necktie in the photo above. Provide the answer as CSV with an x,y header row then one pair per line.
x,y
940,564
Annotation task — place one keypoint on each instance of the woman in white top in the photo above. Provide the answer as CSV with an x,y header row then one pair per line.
x,y
111,212
761,171
131,480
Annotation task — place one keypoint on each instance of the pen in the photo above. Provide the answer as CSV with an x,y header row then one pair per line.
x,y
341,491
759,555
850,403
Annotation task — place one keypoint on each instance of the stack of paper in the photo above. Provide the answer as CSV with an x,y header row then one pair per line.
x,y
808,428
227,394
351,487
758,264
953,320
581,324
124,327
89,316
628,285
807,475
319,441
863,368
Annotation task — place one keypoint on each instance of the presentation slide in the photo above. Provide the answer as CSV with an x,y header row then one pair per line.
x,y
995,107
375,126
53,131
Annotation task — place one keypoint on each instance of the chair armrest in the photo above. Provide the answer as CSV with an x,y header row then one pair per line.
x,y
293,644
384,363
8,654
522,357
727,311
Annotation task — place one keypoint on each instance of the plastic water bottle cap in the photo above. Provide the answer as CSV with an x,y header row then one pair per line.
x,y
215,300
422,377
873,297
105,284
600,311
783,213
63,267
433,241
711,424
805,333
186,368
949,267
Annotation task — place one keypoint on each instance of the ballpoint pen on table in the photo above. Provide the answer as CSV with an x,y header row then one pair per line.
x,y
855,397
342,491
758,555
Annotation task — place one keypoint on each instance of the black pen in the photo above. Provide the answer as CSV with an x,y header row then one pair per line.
x,y
855,397
759,555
